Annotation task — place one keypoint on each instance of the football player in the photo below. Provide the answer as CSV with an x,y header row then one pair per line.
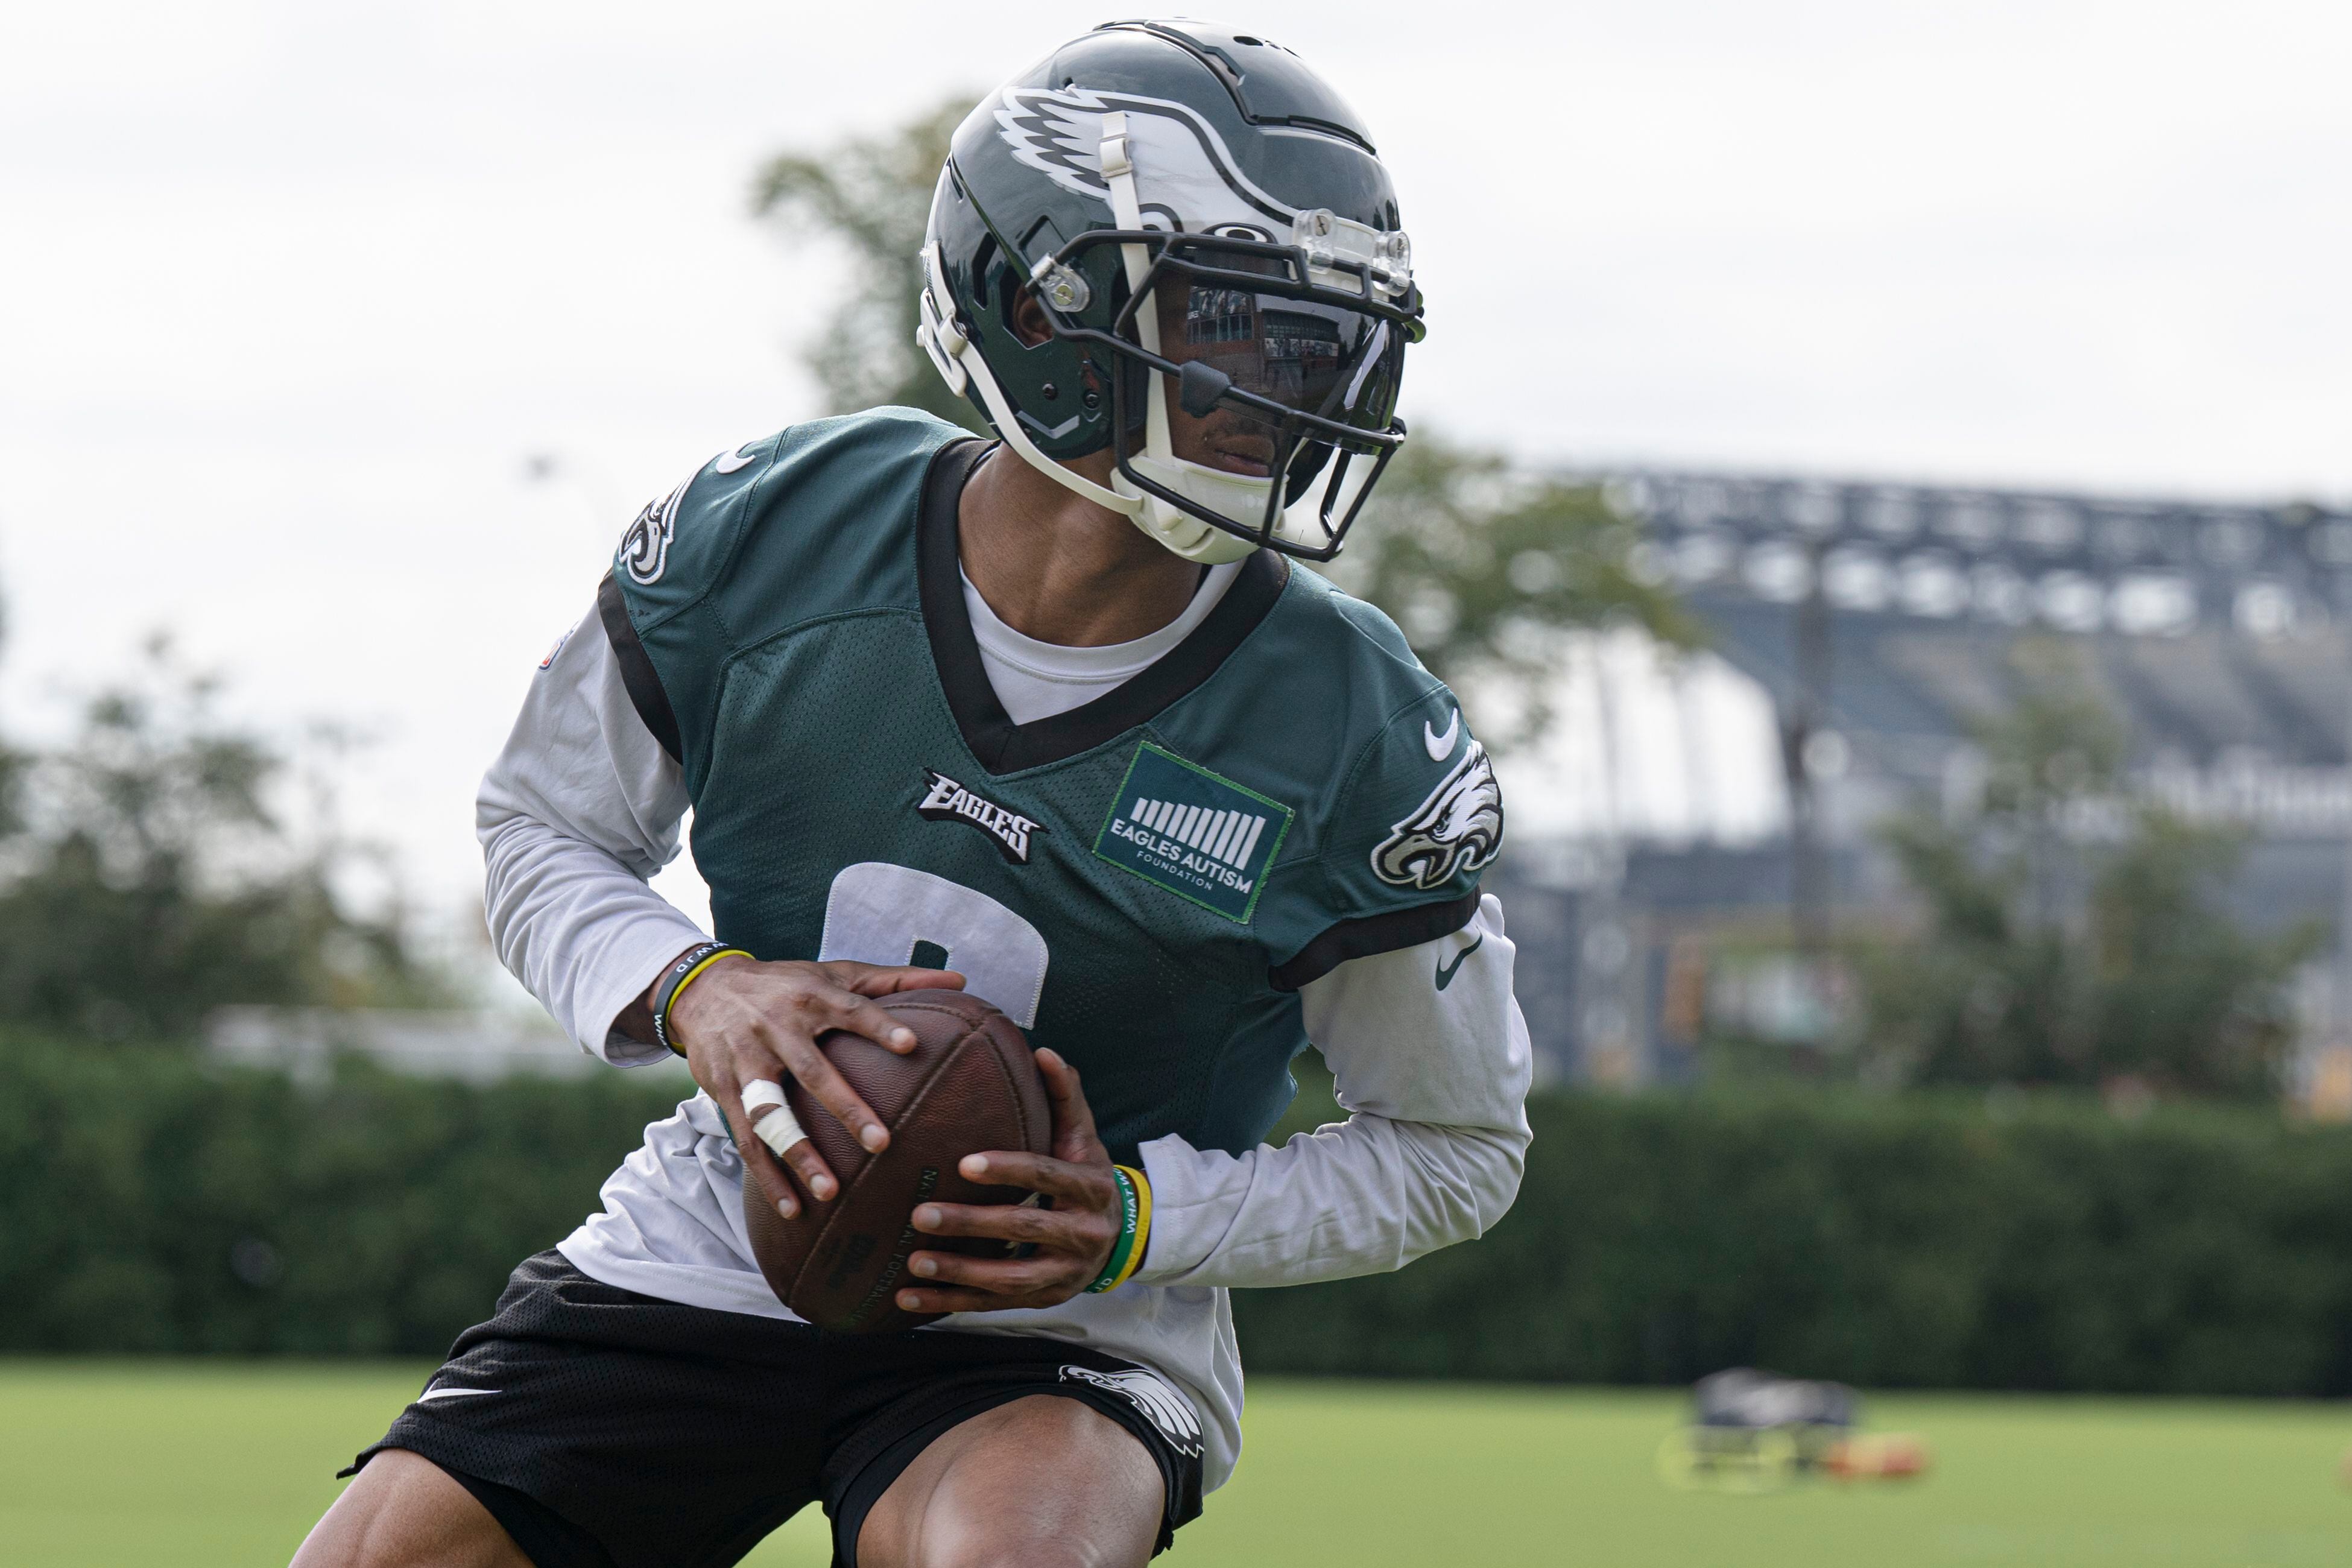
x,y
1062,717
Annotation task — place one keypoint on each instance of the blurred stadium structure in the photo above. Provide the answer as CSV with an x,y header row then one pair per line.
x,y
1877,620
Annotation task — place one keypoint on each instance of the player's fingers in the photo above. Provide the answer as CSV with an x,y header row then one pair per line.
x,y
778,1139
1073,1119
770,1172
777,1128
829,1089
810,1167
882,980
996,1275
1088,1187
963,1299
1061,1230
766,1170
849,1011
775,1064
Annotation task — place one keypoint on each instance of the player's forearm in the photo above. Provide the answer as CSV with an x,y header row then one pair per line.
x,y
1431,1059
1362,1197
578,810
582,932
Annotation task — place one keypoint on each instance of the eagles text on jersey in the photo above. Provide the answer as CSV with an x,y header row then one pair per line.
x,y
1142,883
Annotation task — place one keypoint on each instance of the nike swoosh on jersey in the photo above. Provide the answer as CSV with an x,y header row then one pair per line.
x,y
1442,746
729,461
1446,972
429,1395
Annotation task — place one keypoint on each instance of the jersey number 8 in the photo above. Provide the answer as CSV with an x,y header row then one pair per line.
x,y
880,913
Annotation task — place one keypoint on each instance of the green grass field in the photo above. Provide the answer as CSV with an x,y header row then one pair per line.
x,y
194,1465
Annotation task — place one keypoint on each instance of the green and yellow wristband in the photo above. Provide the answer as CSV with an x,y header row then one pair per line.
x,y
678,977
1134,1230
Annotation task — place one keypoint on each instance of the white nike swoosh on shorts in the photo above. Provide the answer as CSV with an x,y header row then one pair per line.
x,y
429,1395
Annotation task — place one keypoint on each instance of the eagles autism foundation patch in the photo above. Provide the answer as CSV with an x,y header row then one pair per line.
x,y
1179,827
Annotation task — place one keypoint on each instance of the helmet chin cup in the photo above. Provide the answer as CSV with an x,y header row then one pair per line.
x,y
1232,495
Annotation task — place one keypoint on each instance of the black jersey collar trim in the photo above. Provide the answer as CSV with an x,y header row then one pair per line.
x,y
1002,746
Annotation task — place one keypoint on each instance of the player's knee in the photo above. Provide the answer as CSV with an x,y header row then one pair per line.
x,y
405,1511
1043,1482
1028,1553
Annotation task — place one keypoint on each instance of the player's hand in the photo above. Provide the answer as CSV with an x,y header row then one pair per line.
x,y
744,1020
1073,1239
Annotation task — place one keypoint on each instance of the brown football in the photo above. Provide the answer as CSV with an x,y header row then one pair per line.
x,y
969,1085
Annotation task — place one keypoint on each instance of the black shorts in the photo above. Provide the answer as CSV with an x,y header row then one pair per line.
x,y
606,1429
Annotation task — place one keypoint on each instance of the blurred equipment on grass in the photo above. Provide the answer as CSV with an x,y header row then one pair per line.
x,y
1753,1431
1886,1457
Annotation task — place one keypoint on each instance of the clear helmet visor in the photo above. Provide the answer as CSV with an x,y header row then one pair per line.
x,y
1253,397
1308,356
1305,356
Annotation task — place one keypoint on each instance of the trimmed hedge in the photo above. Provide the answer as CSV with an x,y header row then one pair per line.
x,y
1890,1243
150,1203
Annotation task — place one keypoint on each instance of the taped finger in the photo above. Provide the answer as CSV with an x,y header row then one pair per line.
x,y
779,1128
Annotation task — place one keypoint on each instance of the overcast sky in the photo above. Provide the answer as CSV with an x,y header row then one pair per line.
x,y
288,293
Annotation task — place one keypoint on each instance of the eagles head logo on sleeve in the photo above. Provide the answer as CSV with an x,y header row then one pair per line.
x,y
1457,828
645,549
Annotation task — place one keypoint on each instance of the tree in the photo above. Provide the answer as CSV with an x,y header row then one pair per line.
x,y
1483,565
2073,936
153,881
872,196
1487,569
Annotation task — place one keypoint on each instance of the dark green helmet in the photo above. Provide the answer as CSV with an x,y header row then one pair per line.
x,y
1226,289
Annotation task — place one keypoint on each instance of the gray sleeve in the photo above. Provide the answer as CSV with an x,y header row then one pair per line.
x,y
1434,1078
578,810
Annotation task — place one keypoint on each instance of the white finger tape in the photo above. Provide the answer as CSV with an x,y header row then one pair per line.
x,y
762,1091
779,1129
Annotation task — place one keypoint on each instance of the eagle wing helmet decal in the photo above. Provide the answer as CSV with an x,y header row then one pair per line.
x,y
1185,177
1457,828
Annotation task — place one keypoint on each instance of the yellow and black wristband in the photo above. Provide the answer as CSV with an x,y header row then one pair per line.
x,y
678,977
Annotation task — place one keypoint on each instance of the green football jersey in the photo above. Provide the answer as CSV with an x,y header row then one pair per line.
x,y
1143,883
